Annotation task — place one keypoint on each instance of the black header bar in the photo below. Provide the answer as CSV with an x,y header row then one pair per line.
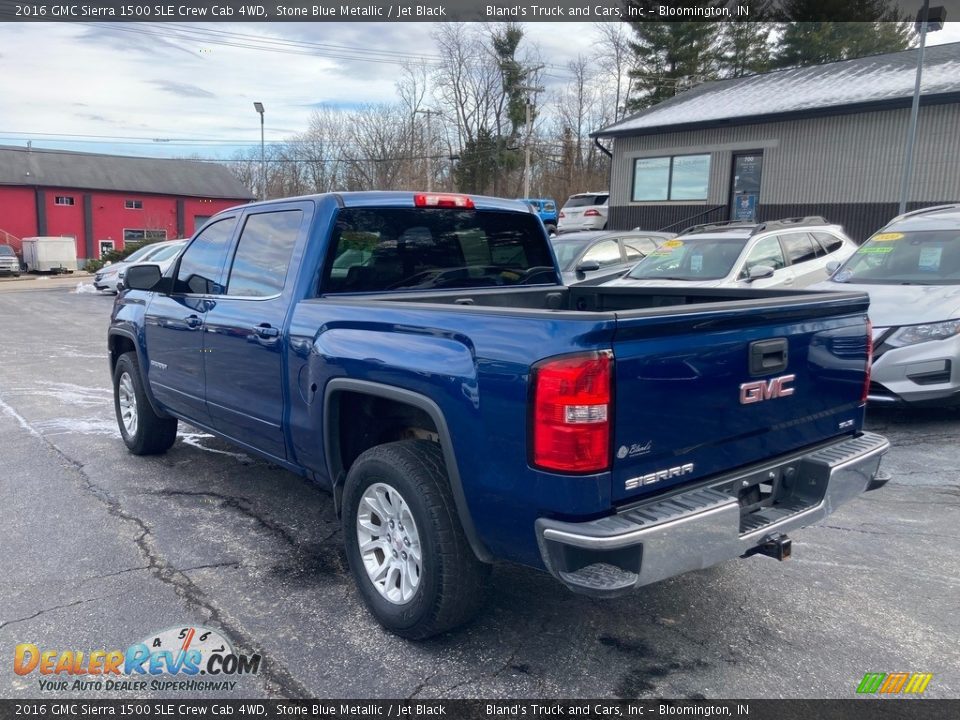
x,y
78,708
435,11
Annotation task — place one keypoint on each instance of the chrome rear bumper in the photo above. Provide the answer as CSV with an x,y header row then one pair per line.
x,y
705,525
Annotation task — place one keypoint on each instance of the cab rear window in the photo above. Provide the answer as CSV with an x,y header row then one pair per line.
x,y
375,250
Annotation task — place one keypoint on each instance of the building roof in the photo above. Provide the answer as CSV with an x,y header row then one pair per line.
x,y
91,171
869,83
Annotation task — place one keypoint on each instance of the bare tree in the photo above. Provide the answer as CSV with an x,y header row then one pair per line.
x,y
615,60
378,140
413,87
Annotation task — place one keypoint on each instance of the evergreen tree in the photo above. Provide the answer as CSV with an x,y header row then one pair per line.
x,y
671,56
814,35
747,48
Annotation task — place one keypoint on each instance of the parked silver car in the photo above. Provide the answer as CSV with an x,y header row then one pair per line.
x,y
793,252
9,262
911,270
584,211
110,277
598,254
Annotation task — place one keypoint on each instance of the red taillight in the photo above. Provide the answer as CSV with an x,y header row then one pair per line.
x,y
562,215
443,201
572,412
591,213
866,379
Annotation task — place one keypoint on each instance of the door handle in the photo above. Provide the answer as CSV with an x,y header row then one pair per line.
x,y
266,331
192,321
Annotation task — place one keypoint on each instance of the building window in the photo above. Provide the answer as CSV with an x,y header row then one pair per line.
x,y
133,204
105,247
680,177
140,236
63,200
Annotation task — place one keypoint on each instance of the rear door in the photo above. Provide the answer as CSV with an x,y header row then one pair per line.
x,y
702,392
806,257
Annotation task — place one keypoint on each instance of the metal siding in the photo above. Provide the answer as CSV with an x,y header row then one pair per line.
x,y
664,217
853,159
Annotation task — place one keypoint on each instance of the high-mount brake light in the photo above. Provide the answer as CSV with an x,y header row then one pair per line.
x,y
443,200
572,412
866,379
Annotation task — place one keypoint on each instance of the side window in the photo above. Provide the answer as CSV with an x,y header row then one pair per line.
x,y
831,243
638,248
200,265
799,247
263,253
606,253
765,252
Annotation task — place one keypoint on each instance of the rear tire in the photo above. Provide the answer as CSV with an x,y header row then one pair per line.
x,y
406,548
143,431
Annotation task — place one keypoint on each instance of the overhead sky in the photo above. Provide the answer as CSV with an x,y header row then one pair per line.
x,y
174,90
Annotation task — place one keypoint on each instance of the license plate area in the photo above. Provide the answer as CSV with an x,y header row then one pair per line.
x,y
772,493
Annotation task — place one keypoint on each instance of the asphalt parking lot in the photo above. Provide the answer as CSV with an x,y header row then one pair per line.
x,y
101,549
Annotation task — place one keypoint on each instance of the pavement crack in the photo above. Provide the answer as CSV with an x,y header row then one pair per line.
x,y
422,684
240,505
278,678
114,574
37,614
881,532
228,563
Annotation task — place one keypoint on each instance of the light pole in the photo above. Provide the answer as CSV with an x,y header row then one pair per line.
x,y
429,114
258,106
529,129
931,20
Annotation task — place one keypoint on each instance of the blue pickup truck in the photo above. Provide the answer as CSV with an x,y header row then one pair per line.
x,y
417,355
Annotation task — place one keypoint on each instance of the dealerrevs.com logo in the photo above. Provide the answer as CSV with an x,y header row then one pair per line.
x,y
188,658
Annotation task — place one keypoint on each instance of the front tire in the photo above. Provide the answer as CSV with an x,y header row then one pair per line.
x,y
406,548
143,431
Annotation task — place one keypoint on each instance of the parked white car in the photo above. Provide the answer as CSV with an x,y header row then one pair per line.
x,y
110,277
911,270
584,211
793,252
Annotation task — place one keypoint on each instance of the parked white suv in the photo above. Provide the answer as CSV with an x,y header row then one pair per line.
x,y
793,252
584,211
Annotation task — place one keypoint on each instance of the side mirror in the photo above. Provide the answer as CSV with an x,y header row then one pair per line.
x,y
832,267
108,263
142,277
588,266
759,272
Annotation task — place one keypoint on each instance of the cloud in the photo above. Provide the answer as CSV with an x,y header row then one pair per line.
x,y
182,89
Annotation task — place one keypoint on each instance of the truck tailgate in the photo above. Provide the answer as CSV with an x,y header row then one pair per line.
x,y
702,392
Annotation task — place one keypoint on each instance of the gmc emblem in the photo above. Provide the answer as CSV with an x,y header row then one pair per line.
x,y
760,390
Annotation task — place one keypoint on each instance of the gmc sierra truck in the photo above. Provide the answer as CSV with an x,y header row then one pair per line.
x,y
418,356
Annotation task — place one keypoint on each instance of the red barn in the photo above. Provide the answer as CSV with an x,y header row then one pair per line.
x,y
105,201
